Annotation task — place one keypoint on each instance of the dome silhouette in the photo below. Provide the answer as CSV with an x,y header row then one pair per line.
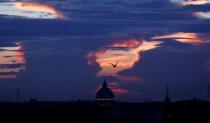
x,y
104,93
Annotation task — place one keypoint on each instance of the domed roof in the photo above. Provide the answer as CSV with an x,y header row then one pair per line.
x,y
104,93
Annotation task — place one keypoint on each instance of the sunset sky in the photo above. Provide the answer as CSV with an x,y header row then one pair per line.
x,y
62,49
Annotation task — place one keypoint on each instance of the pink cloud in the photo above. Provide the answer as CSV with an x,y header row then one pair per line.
x,y
126,52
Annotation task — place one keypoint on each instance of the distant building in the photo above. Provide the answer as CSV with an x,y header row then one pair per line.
x,y
105,94
167,98
168,108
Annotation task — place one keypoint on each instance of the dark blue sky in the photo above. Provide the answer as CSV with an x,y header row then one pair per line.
x,y
61,49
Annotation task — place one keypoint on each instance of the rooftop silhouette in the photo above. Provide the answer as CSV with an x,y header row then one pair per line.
x,y
104,93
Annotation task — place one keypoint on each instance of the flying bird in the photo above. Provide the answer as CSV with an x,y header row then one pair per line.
x,y
114,65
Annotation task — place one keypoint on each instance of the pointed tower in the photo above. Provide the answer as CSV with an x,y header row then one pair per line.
x,y
167,98
168,109
18,95
104,93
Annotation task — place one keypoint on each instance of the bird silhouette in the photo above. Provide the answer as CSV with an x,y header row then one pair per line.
x,y
114,65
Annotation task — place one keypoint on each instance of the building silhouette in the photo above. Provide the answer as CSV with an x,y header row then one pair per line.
x,y
104,96
106,110
168,108
167,98
105,93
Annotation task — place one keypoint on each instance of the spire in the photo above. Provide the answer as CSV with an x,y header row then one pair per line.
x,y
167,99
167,91
104,93
104,83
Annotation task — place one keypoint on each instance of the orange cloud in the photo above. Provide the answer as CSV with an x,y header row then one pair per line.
x,y
129,44
12,61
11,76
37,7
126,52
14,70
189,38
30,9
128,78
190,2
12,55
203,15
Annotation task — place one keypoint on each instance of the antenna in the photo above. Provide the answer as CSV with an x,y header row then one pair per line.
x,y
167,91
167,98
104,83
104,79
18,95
